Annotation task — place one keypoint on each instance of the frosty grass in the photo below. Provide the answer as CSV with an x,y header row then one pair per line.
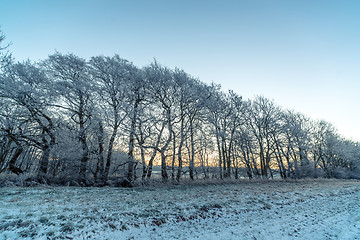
x,y
322,209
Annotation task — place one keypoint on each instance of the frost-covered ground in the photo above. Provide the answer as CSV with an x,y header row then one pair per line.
x,y
322,209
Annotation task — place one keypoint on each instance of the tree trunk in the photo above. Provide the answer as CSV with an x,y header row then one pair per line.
x,y
164,174
84,147
262,162
182,136
131,159
173,158
247,162
142,153
13,159
155,150
163,149
46,150
219,151
100,164
110,152
44,162
192,156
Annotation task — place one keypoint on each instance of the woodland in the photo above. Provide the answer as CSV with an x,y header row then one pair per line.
x,y
104,121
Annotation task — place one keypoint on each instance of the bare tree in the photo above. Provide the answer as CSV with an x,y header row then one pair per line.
x,y
262,120
115,78
73,84
5,55
159,82
28,87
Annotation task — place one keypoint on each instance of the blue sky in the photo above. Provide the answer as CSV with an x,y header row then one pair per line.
x,y
303,54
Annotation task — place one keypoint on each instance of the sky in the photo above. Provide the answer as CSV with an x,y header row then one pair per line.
x,y
303,54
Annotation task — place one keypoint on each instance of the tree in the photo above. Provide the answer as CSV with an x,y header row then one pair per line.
x,y
188,105
10,144
72,82
5,55
112,76
214,118
27,86
161,88
134,103
262,119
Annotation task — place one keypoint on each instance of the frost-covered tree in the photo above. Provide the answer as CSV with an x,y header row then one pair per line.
x,y
162,91
134,102
330,152
5,55
29,89
189,106
112,76
68,117
263,122
214,111
73,84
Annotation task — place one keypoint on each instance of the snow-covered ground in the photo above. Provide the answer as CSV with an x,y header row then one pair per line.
x,y
322,209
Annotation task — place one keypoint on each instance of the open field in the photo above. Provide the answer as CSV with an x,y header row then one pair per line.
x,y
306,209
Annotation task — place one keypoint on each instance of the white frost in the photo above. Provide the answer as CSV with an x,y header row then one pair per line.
x,y
324,209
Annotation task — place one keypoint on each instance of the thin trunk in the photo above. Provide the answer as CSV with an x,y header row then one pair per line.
x,y
229,153
85,157
282,168
182,138
254,163
142,153
164,174
173,158
150,165
207,164
203,168
192,156
262,162
267,166
155,149
223,153
100,164
219,151
110,147
163,149
228,159
248,164
140,139
131,160
84,147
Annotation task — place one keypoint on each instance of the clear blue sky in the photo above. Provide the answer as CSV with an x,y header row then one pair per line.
x,y
303,54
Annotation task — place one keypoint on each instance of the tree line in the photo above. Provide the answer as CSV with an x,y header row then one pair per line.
x,y
105,118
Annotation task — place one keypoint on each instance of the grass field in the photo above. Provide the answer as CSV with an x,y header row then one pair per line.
x,y
306,209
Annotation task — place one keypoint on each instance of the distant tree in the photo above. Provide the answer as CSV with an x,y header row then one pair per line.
x,y
263,121
330,152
